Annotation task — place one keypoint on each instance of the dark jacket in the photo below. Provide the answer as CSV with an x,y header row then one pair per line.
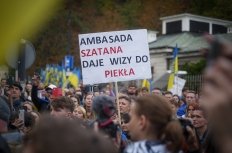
x,y
4,148
41,104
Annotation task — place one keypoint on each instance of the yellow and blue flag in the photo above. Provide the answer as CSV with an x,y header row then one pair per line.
x,y
174,69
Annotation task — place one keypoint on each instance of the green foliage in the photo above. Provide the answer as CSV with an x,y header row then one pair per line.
x,y
194,68
213,8
129,12
60,35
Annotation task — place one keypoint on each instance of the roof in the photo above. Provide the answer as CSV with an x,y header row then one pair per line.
x,y
195,16
186,41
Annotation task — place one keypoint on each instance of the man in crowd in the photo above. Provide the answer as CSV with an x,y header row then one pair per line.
x,y
190,97
144,91
132,90
40,103
201,125
62,107
124,104
156,91
15,97
168,95
3,84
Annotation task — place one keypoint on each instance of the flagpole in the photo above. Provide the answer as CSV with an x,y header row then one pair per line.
x,y
117,100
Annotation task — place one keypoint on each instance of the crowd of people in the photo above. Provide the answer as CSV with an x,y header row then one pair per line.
x,y
34,120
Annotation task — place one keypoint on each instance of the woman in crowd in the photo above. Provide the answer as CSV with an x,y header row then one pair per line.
x,y
88,106
76,100
152,127
79,112
29,106
177,99
190,108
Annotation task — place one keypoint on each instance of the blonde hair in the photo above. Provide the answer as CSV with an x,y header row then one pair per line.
x,y
83,111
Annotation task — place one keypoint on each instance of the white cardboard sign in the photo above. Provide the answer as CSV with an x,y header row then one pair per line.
x,y
178,86
114,56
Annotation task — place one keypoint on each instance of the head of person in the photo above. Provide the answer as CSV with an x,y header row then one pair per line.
x,y
176,98
75,100
7,90
168,95
103,107
156,91
144,91
62,107
79,112
151,119
190,108
3,82
107,92
199,119
54,135
28,87
88,100
48,92
190,97
124,104
16,90
184,91
132,89
4,116
29,106
174,106
78,91
96,91
124,122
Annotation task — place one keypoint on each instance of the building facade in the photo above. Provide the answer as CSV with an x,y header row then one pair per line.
x,y
186,31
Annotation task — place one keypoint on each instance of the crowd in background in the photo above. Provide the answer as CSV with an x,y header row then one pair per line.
x,y
35,120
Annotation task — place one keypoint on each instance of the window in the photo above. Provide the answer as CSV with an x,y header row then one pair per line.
x,y
173,27
219,29
199,27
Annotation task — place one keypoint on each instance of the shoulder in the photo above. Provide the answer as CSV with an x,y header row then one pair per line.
x,y
145,147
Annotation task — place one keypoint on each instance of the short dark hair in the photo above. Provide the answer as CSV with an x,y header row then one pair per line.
x,y
168,93
125,97
191,91
17,84
156,89
63,102
132,85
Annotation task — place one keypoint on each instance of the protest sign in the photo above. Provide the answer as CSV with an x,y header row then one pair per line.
x,y
114,56
178,86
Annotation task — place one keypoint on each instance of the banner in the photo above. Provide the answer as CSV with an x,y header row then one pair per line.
x,y
178,86
114,56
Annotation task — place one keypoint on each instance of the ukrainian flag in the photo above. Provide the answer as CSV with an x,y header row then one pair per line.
x,y
174,69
